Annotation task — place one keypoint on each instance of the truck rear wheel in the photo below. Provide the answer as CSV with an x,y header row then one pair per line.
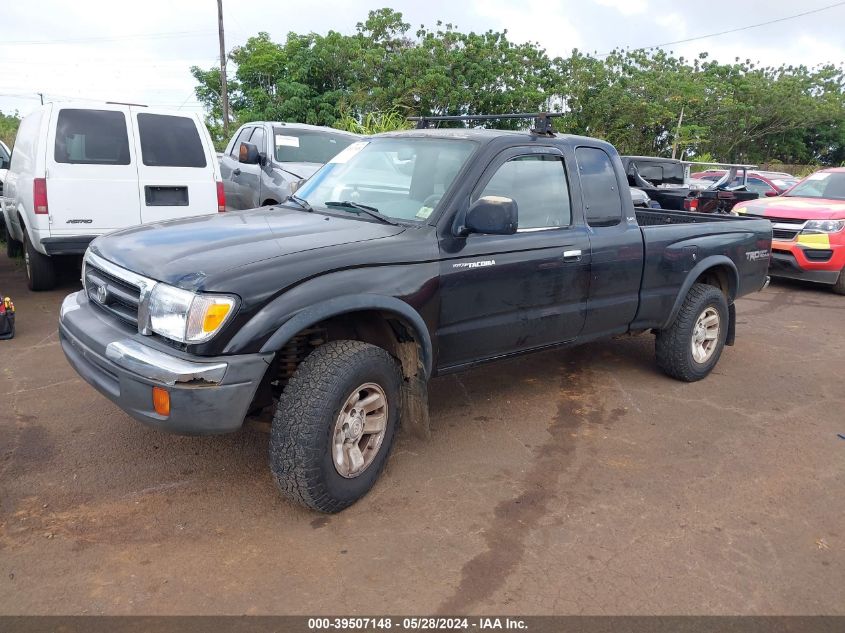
x,y
334,425
40,270
690,347
839,286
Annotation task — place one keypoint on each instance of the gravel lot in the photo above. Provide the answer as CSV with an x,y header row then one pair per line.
x,y
575,481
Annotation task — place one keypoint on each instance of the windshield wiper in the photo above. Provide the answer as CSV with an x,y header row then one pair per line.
x,y
370,211
302,202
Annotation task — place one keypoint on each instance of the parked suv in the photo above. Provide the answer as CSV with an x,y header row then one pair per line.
x,y
808,226
265,162
79,171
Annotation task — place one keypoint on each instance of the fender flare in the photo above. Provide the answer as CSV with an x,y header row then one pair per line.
x,y
702,267
354,303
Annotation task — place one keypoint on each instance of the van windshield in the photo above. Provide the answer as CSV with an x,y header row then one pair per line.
x,y
297,145
404,178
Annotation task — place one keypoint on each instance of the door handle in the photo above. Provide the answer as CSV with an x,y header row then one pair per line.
x,y
572,256
236,171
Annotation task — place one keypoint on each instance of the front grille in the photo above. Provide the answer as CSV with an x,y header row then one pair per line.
x,y
114,295
786,221
785,234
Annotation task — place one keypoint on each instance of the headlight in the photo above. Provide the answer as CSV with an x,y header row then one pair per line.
x,y
187,317
824,226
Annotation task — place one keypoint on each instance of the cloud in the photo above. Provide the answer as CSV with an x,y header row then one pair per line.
x,y
625,7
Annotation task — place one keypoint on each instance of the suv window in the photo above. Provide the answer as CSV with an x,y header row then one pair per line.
x,y
243,137
758,186
602,204
91,137
257,139
170,141
537,183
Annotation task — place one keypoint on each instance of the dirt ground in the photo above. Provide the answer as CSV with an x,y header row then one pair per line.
x,y
572,482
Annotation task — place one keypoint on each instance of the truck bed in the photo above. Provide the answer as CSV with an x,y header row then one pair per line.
x,y
678,243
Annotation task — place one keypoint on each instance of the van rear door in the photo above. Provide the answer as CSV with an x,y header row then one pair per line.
x,y
92,183
177,167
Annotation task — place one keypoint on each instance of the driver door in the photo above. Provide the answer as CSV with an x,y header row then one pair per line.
x,y
503,294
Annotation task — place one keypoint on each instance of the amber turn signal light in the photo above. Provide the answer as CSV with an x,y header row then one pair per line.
x,y
161,401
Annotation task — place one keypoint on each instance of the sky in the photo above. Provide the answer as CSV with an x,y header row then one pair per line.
x,y
115,50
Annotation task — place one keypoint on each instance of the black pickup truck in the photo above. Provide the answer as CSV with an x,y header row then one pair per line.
x,y
409,255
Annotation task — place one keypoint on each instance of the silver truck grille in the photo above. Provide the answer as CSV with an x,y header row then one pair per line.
x,y
118,291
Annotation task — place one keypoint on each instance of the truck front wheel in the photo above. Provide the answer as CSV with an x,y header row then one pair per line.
x,y
690,347
334,425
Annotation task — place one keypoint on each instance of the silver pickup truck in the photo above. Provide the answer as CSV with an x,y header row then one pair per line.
x,y
266,161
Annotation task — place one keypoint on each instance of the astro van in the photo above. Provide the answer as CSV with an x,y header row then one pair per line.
x,y
79,171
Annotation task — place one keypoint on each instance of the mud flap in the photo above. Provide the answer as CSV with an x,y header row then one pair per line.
x,y
415,407
731,338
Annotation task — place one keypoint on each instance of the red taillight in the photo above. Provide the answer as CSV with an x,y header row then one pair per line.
x,y
39,195
691,204
221,198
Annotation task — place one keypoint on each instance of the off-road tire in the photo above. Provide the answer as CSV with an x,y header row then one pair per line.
x,y
839,286
40,269
673,346
13,247
302,431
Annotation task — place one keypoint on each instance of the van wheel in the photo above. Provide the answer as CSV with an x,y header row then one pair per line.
x,y
40,271
690,347
839,286
13,247
334,425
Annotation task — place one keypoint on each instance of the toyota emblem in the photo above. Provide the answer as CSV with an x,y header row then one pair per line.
x,y
102,294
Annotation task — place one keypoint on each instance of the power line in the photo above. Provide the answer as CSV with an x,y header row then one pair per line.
x,y
738,29
117,38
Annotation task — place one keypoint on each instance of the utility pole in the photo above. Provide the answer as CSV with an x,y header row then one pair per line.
x,y
41,94
224,92
677,132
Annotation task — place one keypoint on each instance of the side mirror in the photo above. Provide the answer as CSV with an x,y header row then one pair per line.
x,y
493,215
772,194
248,154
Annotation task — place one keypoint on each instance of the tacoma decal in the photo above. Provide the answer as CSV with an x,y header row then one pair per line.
x,y
481,264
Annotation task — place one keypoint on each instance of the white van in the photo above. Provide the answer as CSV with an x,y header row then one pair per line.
x,y
78,171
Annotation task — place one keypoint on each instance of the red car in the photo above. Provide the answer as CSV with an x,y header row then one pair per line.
x,y
808,228
765,183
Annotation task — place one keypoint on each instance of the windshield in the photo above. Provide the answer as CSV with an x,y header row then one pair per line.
x,y
822,184
404,178
292,145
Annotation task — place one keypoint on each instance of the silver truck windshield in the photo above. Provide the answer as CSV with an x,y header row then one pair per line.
x,y
403,178
297,145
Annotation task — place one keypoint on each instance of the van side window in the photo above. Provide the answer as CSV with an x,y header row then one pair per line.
x,y
243,137
257,139
91,137
537,183
170,141
600,189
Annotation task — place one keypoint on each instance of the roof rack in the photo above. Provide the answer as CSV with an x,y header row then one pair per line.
x,y
542,120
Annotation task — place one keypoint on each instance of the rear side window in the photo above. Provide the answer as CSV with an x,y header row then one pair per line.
x,y
602,204
91,137
170,141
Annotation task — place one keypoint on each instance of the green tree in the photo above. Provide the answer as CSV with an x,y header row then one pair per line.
x,y
9,127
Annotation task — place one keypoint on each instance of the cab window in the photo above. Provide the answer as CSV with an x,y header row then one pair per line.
x,y
537,183
599,187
